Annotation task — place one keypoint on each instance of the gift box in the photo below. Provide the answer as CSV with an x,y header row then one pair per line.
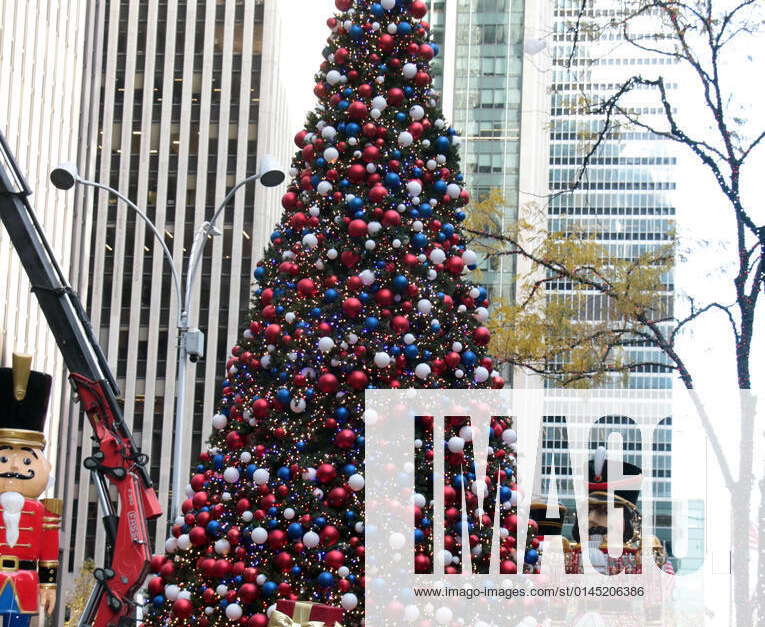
x,y
305,614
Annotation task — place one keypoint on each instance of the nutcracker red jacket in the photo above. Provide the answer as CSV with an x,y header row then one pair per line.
x,y
38,541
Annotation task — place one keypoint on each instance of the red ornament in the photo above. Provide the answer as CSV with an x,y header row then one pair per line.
x,y
386,43
346,438
399,324
455,265
199,500
337,497
377,194
481,336
343,5
277,539
384,297
357,111
289,200
306,288
156,586
260,408
326,473
422,79
352,307
334,559
329,535
391,218
395,96
327,383
300,138
248,592
508,567
183,608
283,561
370,154
357,380
198,536
341,56
422,563
418,9
358,228
357,173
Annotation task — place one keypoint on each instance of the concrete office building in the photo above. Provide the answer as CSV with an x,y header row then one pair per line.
x,y
41,77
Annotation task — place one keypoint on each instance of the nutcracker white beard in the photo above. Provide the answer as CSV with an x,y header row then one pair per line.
x,y
597,557
12,503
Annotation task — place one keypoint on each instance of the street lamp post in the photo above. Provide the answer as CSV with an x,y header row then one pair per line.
x,y
190,341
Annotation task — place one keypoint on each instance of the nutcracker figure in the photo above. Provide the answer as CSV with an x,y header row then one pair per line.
x,y
29,528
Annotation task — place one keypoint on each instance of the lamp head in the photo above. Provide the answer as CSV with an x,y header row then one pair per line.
x,y
271,173
64,176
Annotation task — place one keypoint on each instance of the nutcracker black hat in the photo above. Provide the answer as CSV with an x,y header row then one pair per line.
x,y
24,398
626,489
547,525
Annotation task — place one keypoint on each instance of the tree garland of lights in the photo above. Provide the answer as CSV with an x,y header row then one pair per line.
x,y
362,286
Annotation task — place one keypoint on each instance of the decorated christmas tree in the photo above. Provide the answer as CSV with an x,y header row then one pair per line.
x,y
362,286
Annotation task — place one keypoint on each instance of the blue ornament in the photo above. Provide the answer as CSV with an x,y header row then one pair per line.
x,y
330,295
419,536
439,187
347,92
213,528
371,323
436,49
356,32
269,588
442,145
532,556
218,461
283,473
325,580
404,28
341,413
377,9
158,600
349,469
320,521
408,91
356,203
283,396
259,273
469,358
400,283
411,352
505,494
343,105
316,312
401,117
319,162
419,240
275,235
448,229
352,129
295,531
392,180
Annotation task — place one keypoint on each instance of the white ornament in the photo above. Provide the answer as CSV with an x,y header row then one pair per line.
x,y
331,254
324,188
375,114
231,474
171,592
466,433
233,611
409,338
222,546
456,444
331,154
328,132
349,601
412,612
509,436
380,102
481,314
382,360
374,228
310,241
405,139
422,371
480,374
370,244
298,405
260,476
388,4
437,256
219,421
470,258
416,112
171,545
453,190
184,542
424,306
414,187
367,277
311,539
444,615
259,535
356,482
397,541
333,77
409,70
326,344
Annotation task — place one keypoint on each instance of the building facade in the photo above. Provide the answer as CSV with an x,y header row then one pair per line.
x,y
41,78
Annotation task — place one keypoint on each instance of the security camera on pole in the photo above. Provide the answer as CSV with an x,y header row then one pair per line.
x,y
190,340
